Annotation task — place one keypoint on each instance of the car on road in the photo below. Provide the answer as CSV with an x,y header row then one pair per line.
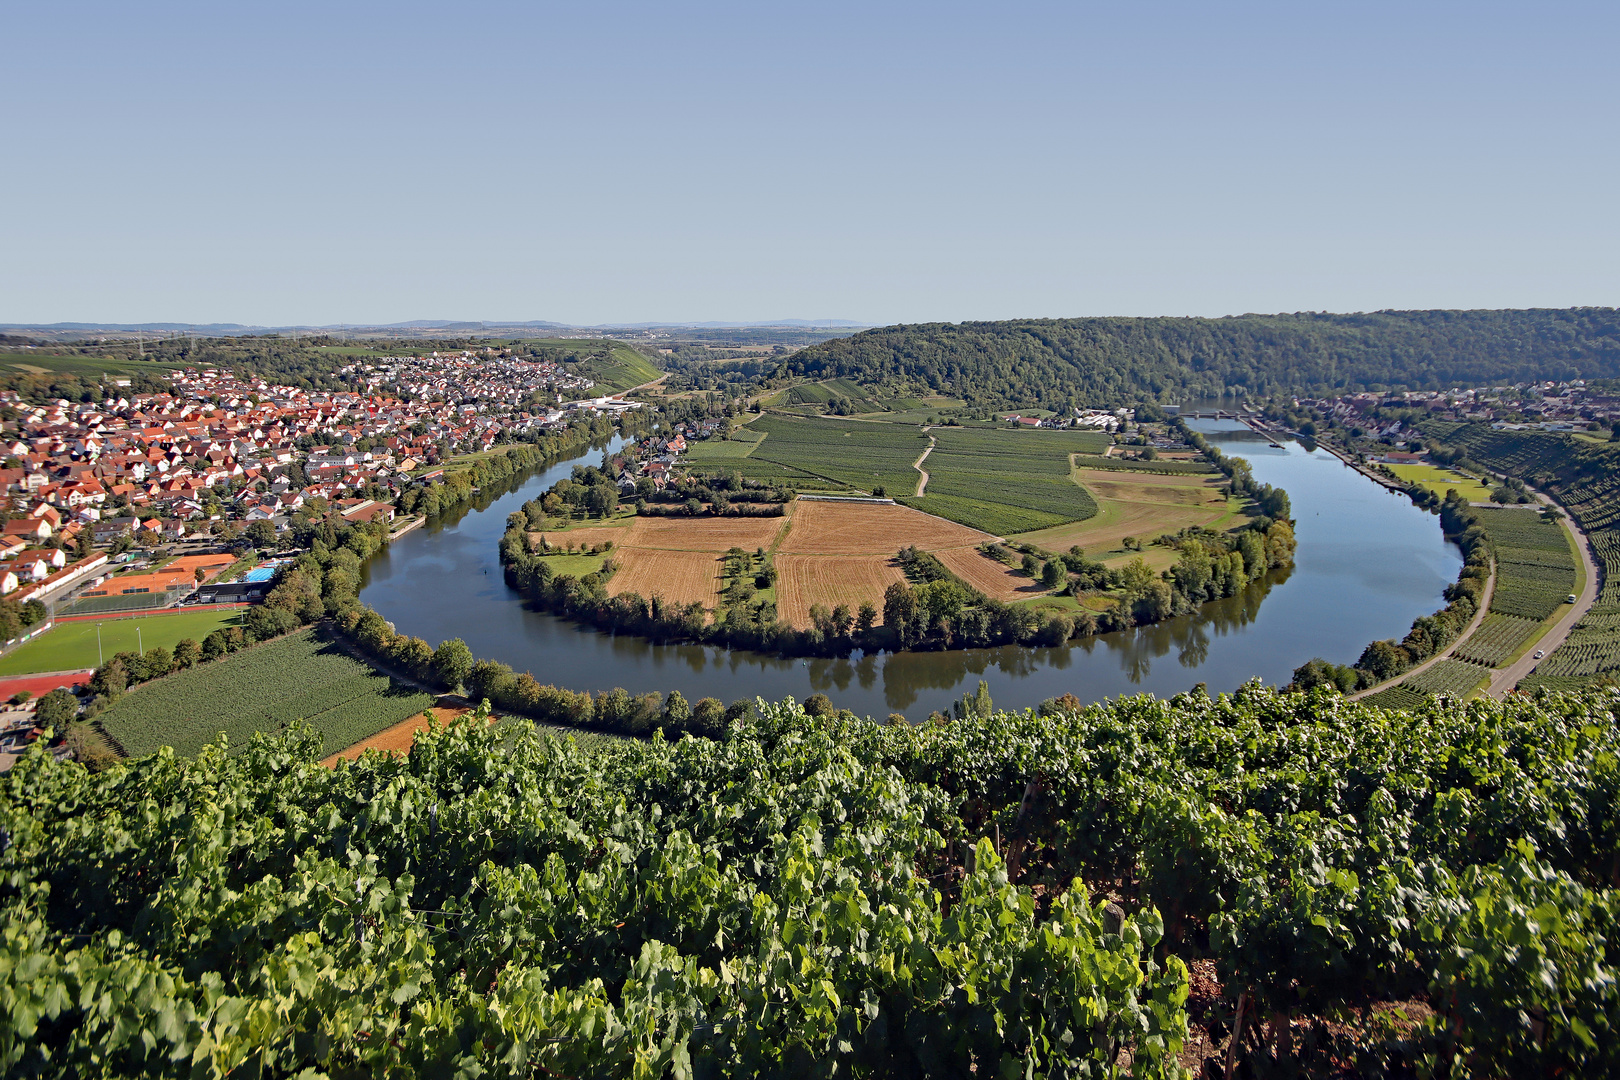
x,y
1539,654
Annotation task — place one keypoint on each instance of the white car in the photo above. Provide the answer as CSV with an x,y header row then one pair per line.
x,y
1539,654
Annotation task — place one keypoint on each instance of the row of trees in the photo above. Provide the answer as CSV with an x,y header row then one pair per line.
x,y
937,611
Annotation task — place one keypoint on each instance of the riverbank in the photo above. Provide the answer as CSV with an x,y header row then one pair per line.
x,y
1353,541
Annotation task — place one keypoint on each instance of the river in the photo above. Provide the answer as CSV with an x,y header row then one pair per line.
x,y
1368,563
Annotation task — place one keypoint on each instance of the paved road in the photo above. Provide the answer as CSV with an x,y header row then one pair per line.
x,y
1507,678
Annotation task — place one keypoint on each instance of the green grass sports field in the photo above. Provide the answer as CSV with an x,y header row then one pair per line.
x,y
72,645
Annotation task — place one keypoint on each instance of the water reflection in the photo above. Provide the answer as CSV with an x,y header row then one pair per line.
x,y
1367,564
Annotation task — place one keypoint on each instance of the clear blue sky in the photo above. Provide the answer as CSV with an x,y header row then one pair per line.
x,y
883,162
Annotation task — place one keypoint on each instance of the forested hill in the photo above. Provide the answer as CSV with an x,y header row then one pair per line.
x,y
1118,360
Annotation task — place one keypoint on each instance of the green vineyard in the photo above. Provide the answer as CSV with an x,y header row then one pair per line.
x,y
1496,640
1535,569
1261,884
263,689
1585,478
1453,677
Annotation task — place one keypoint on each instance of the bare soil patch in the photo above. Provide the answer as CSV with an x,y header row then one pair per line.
x,y
990,576
836,528
830,580
703,534
681,577
396,739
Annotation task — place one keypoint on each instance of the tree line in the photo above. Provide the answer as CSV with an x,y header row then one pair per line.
x,y
1057,363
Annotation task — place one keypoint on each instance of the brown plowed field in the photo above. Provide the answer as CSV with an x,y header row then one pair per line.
x,y
396,739
803,580
993,578
580,538
839,528
680,577
703,534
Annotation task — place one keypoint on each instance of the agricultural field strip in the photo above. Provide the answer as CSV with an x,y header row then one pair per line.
x,y
1535,568
990,576
860,454
1006,482
1497,639
830,580
833,528
681,577
344,699
1449,676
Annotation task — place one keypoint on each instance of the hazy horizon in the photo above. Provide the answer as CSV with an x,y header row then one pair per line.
x,y
610,165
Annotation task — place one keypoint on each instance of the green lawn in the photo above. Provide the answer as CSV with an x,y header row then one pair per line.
x,y
72,645
719,451
1437,480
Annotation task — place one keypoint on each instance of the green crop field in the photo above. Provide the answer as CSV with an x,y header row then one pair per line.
x,y
1439,480
263,689
1088,459
1000,480
718,451
1452,677
72,645
1005,481
1497,639
1535,569
851,453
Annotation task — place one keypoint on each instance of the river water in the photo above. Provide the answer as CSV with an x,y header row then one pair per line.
x,y
1368,563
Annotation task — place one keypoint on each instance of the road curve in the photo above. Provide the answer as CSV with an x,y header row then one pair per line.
x,y
1473,624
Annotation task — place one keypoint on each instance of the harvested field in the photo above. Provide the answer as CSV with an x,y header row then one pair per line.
x,y
803,580
580,538
681,577
1179,494
703,534
990,576
396,739
834,528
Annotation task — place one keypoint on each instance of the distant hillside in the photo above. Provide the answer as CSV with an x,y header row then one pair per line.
x,y
1117,360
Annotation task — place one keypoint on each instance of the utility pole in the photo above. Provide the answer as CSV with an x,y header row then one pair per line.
x,y
101,661
138,644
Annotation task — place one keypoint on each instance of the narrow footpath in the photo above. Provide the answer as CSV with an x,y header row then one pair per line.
x,y
922,481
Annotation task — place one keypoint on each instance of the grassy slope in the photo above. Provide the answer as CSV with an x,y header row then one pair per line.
x,y
623,369
72,645
263,689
